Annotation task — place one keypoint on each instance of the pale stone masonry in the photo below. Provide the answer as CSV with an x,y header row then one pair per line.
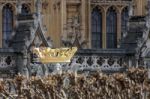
x,y
67,23
56,14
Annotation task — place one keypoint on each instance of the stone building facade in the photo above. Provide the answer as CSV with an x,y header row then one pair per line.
x,y
59,15
110,34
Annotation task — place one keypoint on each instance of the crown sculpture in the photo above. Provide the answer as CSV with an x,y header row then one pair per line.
x,y
48,55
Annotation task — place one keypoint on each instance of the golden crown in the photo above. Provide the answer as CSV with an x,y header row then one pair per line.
x,y
48,55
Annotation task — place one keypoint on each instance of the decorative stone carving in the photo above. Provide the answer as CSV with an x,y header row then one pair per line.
x,y
7,61
94,64
145,49
57,69
19,6
95,61
130,10
73,33
29,32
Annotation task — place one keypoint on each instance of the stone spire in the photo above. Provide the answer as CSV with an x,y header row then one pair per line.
x,y
148,14
38,7
148,7
19,6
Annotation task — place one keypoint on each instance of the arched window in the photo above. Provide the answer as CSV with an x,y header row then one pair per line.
x,y
124,18
111,28
25,9
7,16
96,28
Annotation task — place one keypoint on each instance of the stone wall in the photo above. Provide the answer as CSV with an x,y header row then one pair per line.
x,y
56,14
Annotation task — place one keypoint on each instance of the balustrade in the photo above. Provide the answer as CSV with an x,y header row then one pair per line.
x,y
114,2
100,61
14,1
7,62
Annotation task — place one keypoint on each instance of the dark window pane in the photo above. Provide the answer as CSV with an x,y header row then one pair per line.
x,y
96,28
124,18
7,24
25,9
111,28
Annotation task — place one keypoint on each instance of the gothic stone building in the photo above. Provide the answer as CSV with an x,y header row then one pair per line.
x,y
110,34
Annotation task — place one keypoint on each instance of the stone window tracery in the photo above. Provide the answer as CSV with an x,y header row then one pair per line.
x,y
111,26
7,24
96,28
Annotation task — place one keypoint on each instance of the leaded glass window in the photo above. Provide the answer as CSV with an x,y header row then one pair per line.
x,y
124,18
7,24
111,28
96,28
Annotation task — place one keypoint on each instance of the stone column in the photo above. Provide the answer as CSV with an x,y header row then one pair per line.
x,y
63,17
83,19
148,5
57,26
104,39
118,26
89,19
1,27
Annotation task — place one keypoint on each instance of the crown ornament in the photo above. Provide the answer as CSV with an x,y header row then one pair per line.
x,y
48,55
